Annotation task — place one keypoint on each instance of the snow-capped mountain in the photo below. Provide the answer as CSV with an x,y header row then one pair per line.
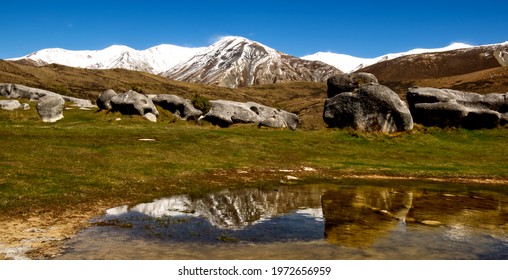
x,y
153,60
237,61
348,64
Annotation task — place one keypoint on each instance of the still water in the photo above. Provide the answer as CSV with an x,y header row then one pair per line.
x,y
337,220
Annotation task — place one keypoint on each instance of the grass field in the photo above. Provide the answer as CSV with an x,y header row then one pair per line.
x,y
90,158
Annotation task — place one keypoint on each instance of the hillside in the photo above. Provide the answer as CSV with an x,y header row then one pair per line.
x,y
469,70
303,98
479,69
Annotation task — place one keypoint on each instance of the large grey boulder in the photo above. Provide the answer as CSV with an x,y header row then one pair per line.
x,y
453,108
349,82
9,105
133,103
180,107
104,100
373,108
21,91
225,113
50,108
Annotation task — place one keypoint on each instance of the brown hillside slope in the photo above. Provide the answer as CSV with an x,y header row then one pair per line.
x,y
481,69
303,98
442,64
484,81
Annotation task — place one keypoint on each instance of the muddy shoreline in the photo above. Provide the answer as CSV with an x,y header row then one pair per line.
x,y
41,236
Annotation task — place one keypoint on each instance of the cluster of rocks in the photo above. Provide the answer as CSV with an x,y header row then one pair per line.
x,y
225,113
358,101
453,108
50,105
222,112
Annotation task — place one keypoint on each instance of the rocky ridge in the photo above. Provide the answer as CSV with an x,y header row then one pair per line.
x,y
235,62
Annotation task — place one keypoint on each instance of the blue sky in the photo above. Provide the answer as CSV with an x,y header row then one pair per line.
x,y
359,28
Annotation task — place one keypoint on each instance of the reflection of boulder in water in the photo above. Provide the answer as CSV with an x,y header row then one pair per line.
x,y
353,217
358,217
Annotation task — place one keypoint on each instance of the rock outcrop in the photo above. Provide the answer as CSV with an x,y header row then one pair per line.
x,y
50,108
225,113
9,105
453,108
349,82
104,100
368,108
134,103
180,107
21,91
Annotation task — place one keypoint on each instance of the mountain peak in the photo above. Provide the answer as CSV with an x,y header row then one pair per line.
x,y
118,48
237,61
233,39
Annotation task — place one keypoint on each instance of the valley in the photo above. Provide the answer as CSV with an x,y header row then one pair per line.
x,y
56,176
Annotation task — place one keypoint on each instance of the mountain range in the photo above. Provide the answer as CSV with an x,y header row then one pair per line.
x,y
235,62
348,64
153,60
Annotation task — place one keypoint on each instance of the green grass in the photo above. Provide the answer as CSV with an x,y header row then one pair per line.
x,y
89,158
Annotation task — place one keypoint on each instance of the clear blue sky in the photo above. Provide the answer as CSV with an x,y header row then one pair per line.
x,y
359,28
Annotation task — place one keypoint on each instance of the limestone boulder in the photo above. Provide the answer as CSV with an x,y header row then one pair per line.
x,y
9,105
453,108
349,82
180,107
50,108
104,100
20,91
372,108
225,113
133,103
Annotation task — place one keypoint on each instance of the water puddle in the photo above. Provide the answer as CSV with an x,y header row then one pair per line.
x,y
380,220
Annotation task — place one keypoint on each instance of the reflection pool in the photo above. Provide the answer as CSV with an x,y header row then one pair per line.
x,y
343,219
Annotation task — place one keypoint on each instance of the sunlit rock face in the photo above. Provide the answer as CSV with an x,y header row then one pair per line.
x,y
453,108
21,91
180,107
225,113
373,108
104,100
133,103
50,108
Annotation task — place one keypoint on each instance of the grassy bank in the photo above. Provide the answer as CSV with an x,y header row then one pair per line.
x,y
89,158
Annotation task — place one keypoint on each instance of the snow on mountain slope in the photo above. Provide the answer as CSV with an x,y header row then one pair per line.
x,y
153,60
237,61
347,63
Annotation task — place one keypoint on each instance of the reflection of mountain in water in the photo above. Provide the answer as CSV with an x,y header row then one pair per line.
x,y
352,216
235,209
